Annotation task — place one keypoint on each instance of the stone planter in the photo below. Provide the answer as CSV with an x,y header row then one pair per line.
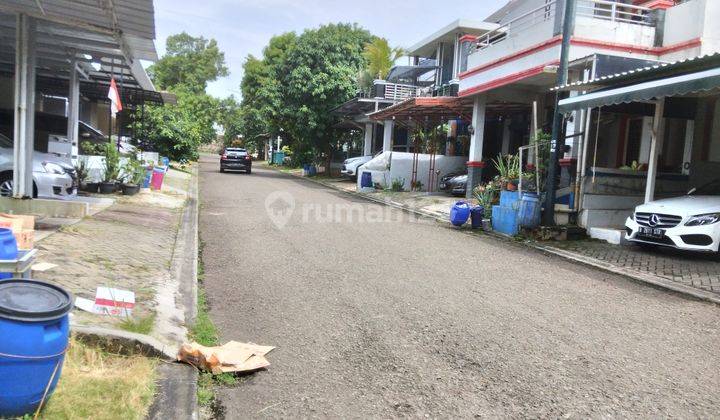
x,y
91,187
130,189
487,225
107,187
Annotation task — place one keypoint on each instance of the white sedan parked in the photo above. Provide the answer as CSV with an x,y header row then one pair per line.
x,y
350,166
690,222
52,178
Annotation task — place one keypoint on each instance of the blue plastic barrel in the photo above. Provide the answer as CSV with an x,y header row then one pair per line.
x,y
459,213
529,211
476,216
34,330
366,180
8,249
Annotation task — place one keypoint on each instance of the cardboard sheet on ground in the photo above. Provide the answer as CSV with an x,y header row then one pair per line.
x,y
230,357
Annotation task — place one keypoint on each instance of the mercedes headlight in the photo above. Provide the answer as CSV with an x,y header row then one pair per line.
x,y
703,219
53,168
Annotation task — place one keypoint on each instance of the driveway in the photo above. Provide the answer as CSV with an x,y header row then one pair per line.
x,y
378,315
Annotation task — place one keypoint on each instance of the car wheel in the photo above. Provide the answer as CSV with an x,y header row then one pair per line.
x,y
7,183
249,171
222,170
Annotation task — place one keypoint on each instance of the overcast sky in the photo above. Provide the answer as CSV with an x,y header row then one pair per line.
x,y
244,27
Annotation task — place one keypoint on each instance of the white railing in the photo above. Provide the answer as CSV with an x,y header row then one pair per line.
x,y
614,12
596,9
543,13
396,91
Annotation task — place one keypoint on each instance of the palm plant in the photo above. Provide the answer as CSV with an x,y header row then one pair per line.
x,y
381,57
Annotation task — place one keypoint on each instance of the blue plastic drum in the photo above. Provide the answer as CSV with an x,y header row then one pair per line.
x,y
529,211
459,213
34,337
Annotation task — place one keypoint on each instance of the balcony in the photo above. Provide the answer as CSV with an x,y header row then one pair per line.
x,y
398,92
605,21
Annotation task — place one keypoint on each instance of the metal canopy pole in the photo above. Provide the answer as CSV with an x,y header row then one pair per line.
x,y
24,130
655,146
549,204
73,108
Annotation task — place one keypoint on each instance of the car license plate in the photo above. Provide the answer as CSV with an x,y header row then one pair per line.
x,y
654,232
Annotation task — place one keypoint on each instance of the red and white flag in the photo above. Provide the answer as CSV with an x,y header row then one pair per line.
x,y
114,96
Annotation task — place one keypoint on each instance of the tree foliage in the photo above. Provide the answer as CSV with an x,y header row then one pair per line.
x,y
381,57
298,81
177,130
189,62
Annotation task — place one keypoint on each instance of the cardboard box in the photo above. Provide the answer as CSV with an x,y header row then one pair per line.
x,y
25,239
27,221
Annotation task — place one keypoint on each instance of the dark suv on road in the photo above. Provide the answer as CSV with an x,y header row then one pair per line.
x,y
235,159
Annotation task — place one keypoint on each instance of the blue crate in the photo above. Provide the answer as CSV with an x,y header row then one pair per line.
x,y
505,220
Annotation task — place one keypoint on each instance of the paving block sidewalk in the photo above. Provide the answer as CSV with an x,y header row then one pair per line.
x,y
128,246
697,271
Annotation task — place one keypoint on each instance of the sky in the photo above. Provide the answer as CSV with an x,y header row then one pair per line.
x,y
243,27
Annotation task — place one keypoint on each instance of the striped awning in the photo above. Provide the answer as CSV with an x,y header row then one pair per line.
x,y
646,91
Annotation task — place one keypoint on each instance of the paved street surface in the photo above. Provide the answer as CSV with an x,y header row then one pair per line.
x,y
399,318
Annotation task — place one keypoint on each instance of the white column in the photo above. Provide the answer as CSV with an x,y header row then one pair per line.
x,y
73,108
506,137
367,145
655,146
387,135
687,152
24,130
478,123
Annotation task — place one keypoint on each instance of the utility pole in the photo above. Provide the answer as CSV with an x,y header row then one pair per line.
x,y
562,77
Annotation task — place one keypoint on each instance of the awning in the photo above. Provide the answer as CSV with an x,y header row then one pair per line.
x,y
430,109
672,86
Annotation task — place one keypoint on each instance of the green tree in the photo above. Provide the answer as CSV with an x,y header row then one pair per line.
x,y
190,62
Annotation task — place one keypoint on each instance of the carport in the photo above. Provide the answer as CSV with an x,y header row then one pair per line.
x,y
660,86
71,43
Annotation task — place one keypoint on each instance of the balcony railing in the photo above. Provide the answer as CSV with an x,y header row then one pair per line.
x,y
396,92
595,9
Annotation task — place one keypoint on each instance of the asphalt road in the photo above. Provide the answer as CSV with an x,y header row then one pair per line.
x,y
398,318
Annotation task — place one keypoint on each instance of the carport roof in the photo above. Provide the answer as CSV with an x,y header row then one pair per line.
x,y
115,35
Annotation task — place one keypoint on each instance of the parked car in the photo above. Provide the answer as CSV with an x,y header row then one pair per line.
x,y
52,178
454,183
350,166
235,159
689,222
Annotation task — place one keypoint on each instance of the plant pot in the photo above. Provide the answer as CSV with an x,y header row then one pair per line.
x,y
91,187
107,187
511,187
129,189
487,225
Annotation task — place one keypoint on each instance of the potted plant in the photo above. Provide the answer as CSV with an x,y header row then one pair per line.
x,y
508,168
112,169
134,175
486,195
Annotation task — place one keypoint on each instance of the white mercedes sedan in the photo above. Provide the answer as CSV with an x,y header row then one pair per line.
x,y
690,222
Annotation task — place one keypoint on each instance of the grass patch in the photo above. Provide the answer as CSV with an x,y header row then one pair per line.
x,y
98,385
204,330
141,325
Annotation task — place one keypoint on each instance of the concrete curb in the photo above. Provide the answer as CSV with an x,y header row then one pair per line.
x,y
125,342
177,385
656,282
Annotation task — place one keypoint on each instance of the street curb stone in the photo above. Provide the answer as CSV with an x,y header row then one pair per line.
x,y
653,281
177,386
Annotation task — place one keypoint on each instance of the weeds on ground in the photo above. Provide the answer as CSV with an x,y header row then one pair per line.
x,y
99,385
206,333
142,325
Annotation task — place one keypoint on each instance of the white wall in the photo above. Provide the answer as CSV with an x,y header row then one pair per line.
x,y
614,32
